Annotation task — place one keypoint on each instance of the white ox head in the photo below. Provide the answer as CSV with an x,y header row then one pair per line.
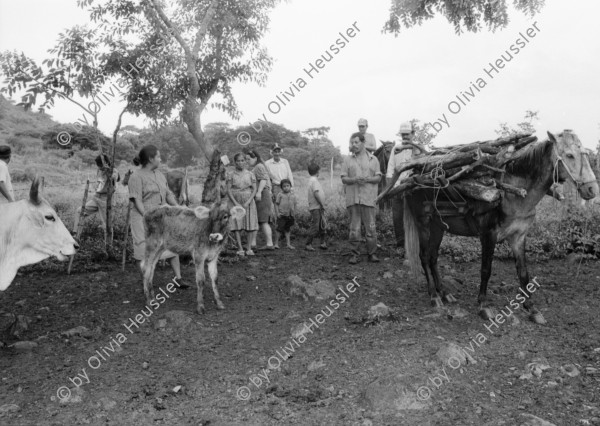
x,y
30,231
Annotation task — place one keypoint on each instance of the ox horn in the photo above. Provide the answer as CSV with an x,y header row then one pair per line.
x,y
34,193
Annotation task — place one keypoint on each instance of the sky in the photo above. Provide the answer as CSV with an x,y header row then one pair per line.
x,y
383,78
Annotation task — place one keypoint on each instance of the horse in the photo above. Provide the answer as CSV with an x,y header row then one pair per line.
x,y
534,168
383,154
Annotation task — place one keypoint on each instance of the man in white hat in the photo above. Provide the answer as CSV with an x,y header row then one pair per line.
x,y
279,169
370,141
402,154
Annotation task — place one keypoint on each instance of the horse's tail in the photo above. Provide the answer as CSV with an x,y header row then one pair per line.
x,y
411,239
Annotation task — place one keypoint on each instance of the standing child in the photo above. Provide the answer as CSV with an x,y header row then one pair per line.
x,y
241,188
316,206
285,210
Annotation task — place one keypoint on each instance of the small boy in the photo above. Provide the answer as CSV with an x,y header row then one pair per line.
x,y
316,206
98,203
285,209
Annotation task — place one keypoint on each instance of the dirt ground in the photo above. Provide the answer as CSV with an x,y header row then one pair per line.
x,y
201,370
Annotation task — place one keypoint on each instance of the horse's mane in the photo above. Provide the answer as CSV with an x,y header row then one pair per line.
x,y
528,161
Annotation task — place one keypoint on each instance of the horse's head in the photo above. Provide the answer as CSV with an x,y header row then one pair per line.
x,y
573,163
383,154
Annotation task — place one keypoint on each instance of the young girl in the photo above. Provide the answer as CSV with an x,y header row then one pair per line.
x,y
241,188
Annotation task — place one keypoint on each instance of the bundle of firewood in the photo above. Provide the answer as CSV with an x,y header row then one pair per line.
x,y
475,170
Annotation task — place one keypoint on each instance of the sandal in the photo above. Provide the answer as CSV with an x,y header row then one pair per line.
x,y
240,253
249,253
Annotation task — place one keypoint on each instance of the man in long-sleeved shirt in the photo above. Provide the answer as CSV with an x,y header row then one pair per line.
x,y
401,154
279,169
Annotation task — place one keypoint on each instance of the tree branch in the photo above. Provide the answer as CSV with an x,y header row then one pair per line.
x,y
210,13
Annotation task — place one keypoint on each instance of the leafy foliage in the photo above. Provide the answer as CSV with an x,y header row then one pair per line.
x,y
469,15
73,68
525,126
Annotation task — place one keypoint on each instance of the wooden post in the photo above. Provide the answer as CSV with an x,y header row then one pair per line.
x,y
331,176
80,225
126,235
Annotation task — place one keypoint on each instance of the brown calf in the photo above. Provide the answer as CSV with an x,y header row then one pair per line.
x,y
200,231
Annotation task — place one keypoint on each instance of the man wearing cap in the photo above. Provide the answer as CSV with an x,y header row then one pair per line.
x,y
360,176
402,154
6,190
370,141
279,169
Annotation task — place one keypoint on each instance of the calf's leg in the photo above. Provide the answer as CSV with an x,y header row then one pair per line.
x,y
199,259
154,250
213,273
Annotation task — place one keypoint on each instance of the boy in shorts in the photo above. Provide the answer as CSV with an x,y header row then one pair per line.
x,y
316,206
285,209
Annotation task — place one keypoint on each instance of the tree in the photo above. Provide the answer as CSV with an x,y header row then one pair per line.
x,y
525,126
470,15
187,52
72,69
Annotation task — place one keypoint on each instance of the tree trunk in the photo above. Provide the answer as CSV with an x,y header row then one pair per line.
x,y
216,172
111,189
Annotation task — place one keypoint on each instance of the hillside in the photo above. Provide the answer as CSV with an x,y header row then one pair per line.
x,y
14,121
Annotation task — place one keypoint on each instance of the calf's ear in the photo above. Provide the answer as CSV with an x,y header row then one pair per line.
x,y
237,212
202,212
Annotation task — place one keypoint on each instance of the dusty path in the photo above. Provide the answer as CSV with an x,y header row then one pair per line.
x,y
344,373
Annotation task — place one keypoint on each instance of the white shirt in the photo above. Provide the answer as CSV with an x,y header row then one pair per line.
x,y
5,177
396,161
279,170
370,141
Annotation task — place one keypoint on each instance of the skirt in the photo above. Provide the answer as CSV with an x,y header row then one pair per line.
x,y
138,233
264,207
250,221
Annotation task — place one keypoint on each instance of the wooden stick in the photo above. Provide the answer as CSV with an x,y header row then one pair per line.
x,y
184,189
385,192
80,224
476,190
512,189
125,236
467,169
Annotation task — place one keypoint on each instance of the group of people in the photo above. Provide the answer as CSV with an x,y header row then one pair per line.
x,y
265,190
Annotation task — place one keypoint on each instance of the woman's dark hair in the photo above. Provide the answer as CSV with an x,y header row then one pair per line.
x,y
100,158
239,154
253,154
146,154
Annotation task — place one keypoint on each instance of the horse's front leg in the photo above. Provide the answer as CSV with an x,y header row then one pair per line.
x,y
517,244
488,245
435,240
424,254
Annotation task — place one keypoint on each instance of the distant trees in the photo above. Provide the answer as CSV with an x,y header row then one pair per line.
x,y
469,15
299,148
525,126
